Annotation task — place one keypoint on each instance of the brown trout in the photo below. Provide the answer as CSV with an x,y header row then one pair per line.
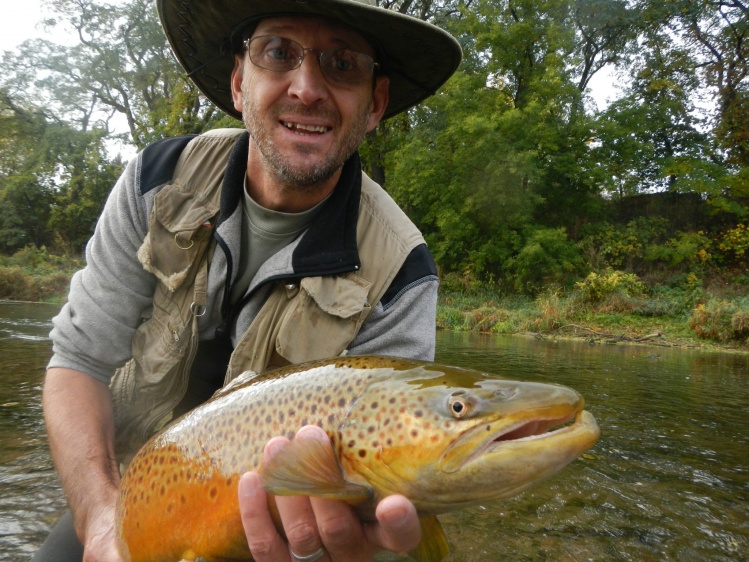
x,y
444,437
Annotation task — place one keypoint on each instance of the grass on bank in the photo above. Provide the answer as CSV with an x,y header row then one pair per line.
x,y
35,275
609,306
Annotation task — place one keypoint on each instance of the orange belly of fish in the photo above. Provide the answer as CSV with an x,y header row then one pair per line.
x,y
176,494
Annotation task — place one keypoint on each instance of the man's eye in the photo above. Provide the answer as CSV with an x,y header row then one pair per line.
x,y
278,53
344,62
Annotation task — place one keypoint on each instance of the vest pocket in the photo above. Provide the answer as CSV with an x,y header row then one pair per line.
x,y
323,318
178,229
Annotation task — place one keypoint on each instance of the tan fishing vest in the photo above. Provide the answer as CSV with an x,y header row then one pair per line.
x,y
315,318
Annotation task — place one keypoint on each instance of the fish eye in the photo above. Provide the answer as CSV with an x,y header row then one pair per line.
x,y
458,405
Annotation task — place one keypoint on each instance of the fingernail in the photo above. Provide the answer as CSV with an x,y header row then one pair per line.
x,y
248,484
312,432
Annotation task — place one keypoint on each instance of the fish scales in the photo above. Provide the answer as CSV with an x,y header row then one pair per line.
x,y
427,431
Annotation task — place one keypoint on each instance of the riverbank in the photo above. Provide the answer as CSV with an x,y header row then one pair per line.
x,y
608,308
695,319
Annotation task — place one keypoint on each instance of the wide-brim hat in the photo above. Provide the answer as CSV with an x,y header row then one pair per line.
x,y
205,34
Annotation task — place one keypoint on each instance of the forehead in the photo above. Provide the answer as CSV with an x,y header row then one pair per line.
x,y
311,31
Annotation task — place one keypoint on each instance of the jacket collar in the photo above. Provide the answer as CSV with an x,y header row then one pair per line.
x,y
328,247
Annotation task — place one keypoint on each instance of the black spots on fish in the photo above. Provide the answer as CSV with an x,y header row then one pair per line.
x,y
213,492
341,402
362,453
419,413
371,429
326,399
488,428
313,408
331,419
374,405
414,433
351,444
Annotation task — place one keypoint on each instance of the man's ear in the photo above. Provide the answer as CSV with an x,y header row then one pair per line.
x,y
380,99
236,81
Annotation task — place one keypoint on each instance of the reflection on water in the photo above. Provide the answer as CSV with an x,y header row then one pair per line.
x,y
669,479
31,498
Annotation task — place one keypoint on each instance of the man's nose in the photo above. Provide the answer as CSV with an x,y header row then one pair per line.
x,y
308,83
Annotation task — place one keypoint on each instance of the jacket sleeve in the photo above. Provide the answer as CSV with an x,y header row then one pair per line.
x,y
93,331
403,323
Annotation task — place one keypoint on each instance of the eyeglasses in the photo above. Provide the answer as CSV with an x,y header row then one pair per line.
x,y
343,66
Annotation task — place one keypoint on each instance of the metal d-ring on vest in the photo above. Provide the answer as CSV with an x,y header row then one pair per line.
x,y
176,241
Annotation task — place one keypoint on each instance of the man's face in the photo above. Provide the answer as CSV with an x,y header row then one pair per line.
x,y
303,126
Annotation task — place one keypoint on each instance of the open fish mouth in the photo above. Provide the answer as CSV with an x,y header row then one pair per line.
x,y
578,426
536,429
574,430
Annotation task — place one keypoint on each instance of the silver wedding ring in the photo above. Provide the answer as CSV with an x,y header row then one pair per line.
x,y
310,557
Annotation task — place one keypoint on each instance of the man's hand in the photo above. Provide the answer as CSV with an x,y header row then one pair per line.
x,y
312,524
100,543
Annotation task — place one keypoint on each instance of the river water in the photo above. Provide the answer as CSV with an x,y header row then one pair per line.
x,y
668,480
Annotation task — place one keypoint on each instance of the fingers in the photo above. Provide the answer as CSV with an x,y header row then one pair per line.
x,y
264,541
297,515
397,528
313,523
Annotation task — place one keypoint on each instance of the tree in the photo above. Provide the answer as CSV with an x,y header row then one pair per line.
x,y
122,66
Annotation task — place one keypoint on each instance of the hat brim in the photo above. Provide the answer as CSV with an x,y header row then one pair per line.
x,y
420,57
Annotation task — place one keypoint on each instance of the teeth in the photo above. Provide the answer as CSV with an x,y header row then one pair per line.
x,y
309,128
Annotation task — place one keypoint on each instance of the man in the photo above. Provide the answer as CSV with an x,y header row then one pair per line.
x,y
239,250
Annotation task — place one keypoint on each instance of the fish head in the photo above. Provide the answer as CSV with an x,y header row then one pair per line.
x,y
448,437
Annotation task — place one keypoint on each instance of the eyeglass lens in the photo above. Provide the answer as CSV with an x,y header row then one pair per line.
x,y
282,55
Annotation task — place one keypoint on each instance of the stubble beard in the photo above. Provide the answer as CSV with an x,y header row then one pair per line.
x,y
308,176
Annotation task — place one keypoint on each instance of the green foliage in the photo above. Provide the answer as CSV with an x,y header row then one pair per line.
x,y
690,249
547,259
598,287
625,246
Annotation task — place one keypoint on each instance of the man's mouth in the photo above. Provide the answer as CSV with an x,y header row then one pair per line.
x,y
305,129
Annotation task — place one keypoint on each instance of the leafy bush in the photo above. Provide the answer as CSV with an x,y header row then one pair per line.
x,y
735,243
721,320
548,259
16,285
598,288
625,246
686,248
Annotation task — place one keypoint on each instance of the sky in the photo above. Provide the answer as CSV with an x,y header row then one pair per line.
x,y
19,22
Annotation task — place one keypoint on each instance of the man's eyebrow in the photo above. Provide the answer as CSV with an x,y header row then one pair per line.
x,y
280,29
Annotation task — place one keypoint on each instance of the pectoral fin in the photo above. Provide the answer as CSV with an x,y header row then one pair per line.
x,y
308,467
433,546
